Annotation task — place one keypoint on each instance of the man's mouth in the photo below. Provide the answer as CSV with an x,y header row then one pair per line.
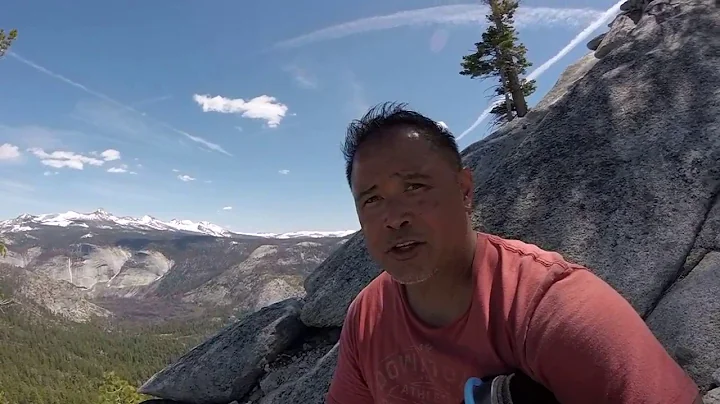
x,y
405,246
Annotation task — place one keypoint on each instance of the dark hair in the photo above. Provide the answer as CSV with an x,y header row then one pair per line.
x,y
389,115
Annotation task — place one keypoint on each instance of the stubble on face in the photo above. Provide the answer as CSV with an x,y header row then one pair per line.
x,y
415,277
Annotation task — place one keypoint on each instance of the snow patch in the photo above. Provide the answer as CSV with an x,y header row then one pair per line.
x,y
100,219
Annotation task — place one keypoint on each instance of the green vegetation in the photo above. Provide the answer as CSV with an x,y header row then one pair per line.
x,y
501,55
115,390
6,39
45,360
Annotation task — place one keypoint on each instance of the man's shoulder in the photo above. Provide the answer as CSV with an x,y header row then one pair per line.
x,y
378,295
522,268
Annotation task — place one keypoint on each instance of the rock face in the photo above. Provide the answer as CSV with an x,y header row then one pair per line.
x,y
229,364
618,169
59,298
333,285
126,267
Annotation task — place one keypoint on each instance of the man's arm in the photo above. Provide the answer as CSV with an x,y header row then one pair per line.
x,y
587,344
348,385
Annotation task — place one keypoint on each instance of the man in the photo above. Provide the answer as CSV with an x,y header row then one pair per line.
x,y
453,304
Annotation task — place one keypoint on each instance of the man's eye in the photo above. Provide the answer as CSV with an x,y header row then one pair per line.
x,y
371,200
413,187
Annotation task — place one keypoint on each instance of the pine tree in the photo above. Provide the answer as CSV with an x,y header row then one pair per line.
x,y
115,390
505,112
501,55
6,39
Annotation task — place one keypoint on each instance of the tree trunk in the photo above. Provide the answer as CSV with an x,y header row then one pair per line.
x,y
508,103
505,85
512,79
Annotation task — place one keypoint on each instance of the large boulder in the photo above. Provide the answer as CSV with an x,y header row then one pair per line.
x,y
228,365
310,387
687,320
620,173
617,168
619,34
336,282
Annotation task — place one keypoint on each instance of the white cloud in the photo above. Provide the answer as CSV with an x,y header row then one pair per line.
x,y
37,136
110,155
185,178
262,107
49,173
239,128
123,168
74,164
97,94
449,14
602,19
9,152
442,124
175,170
60,159
284,172
227,208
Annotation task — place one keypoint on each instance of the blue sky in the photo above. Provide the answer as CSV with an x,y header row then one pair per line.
x,y
179,108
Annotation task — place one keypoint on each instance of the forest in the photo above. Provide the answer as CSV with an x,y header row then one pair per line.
x,y
46,360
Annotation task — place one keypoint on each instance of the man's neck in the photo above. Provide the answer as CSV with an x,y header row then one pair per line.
x,y
446,296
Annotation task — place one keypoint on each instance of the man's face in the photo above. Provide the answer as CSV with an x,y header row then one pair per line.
x,y
413,205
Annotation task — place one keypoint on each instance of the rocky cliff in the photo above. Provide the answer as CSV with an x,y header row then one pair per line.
x,y
617,168
168,272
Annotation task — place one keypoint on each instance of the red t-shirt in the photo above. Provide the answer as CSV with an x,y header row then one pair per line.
x,y
532,311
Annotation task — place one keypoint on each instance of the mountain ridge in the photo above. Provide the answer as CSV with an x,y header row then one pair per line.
x,y
136,266
102,219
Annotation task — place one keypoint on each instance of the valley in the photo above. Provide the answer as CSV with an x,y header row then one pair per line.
x,y
100,265
89,294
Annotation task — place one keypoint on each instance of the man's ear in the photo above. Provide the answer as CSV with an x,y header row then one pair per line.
x,y
467,187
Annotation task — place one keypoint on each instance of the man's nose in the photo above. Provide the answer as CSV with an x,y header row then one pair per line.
x,y
397,215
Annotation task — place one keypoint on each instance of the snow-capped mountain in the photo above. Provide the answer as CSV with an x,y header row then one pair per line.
x,y
100,219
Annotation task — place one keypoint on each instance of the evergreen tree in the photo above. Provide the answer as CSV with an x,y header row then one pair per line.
x,y
505,112
6,39
49,360
115,390
501,55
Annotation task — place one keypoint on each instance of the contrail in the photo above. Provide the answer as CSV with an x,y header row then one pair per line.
x,y
449,14
151,100
113,101
603,19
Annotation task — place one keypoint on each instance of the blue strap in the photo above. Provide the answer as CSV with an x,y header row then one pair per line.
x,y
470,385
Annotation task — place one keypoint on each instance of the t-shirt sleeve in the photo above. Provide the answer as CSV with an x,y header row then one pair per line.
x,y
588,345
348,385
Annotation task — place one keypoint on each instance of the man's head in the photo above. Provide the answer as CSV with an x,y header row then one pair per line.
x,y
412,195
